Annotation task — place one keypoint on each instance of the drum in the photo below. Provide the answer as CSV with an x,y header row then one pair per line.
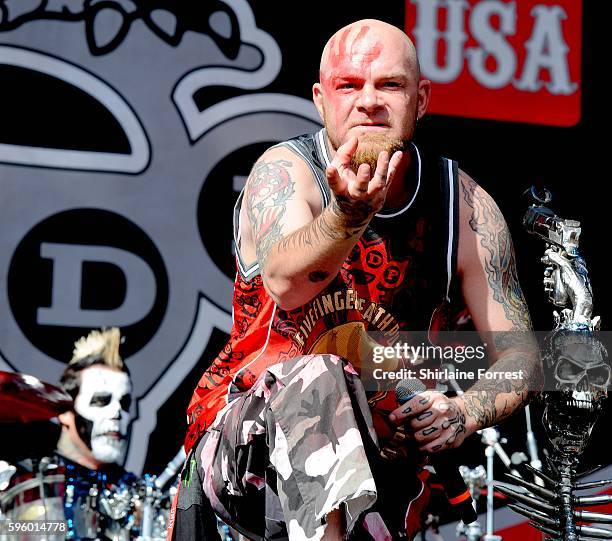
x,y
153,509
35,496
81,501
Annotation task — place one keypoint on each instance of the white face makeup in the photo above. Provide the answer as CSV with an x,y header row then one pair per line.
x,y
102,412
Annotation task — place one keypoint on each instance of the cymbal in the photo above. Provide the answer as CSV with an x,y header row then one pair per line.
x,y
24,398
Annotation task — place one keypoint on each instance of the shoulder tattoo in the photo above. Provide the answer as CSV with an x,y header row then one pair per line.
x,y
269,187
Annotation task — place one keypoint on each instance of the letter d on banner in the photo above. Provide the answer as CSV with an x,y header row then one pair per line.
x,y
66,308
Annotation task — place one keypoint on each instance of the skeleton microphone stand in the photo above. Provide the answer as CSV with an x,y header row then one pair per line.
x,y
577,379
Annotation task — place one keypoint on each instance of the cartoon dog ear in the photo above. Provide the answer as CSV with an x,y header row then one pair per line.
x,y
106,26
165,24
170,20
221,24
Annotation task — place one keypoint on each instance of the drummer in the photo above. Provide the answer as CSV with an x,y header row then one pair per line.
x,y
95,432
90,445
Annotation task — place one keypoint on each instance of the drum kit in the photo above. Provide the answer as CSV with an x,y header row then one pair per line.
x,y
72,502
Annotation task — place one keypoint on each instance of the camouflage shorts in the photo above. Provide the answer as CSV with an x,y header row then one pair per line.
x,y
296,446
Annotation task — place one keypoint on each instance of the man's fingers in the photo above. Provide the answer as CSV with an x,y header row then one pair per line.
x,y
345,152
392,168
335,181
339,173
411,408
428,434
433,446
362,185
393,165
379,180
358,187
423,419
386,170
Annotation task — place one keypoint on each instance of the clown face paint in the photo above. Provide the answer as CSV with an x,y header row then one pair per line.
x,y
102,412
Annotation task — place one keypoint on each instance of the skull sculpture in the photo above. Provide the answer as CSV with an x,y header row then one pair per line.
x,y
578,375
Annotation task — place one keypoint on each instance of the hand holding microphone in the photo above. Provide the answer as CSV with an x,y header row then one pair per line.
x,y
438,423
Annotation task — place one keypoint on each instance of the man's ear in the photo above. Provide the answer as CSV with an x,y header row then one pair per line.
x,y
424,94
66,419
317,98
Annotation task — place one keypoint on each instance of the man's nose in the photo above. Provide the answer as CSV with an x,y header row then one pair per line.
x,y
369,98
116,414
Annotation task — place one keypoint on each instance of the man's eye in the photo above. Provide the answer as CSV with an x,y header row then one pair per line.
x,y
392,84
100,400
126,402
346,86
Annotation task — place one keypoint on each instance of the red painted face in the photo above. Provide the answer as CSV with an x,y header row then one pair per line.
x,y
369,88
345,56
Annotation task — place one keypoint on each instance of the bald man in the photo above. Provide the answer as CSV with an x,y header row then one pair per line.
x,y
345,240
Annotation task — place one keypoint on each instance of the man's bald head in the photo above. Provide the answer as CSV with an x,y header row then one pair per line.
x,y
367,38
370,88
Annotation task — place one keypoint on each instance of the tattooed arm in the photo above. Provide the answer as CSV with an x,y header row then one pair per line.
x,y
300,249
493,296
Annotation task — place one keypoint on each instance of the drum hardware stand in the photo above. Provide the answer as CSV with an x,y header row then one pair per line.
x,y
532,447
490,437
6,472
151,493
475,479
150,497
577,369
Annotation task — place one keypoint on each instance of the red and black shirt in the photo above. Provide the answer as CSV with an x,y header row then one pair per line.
x,y
397,278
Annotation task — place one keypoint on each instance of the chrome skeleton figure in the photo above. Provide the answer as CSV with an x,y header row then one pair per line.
x,y
578,376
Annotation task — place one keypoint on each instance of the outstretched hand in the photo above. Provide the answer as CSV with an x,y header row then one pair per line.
x,y
360,195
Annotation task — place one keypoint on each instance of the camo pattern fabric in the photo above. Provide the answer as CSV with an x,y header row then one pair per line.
x,y
297,445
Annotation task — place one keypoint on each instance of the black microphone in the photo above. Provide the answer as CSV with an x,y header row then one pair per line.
x,y
446,467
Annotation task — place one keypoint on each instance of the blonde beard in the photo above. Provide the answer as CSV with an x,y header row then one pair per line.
x,y
370,146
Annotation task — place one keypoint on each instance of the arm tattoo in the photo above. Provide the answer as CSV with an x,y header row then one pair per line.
x,y
490,401
485,402
480,406
456,423
354,214
320,230
481,401
269,187
489,224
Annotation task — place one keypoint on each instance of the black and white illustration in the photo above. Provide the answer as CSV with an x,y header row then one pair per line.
x,y
110,217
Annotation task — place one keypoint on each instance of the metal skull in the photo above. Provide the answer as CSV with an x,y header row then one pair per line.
x,y
578,376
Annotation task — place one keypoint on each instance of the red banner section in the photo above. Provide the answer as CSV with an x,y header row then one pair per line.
x,y
501,60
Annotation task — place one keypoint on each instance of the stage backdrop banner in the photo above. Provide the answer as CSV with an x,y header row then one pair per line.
x,y
500,60
128,130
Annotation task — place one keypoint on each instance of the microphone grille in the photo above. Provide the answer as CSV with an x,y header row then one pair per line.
x,y
407,388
